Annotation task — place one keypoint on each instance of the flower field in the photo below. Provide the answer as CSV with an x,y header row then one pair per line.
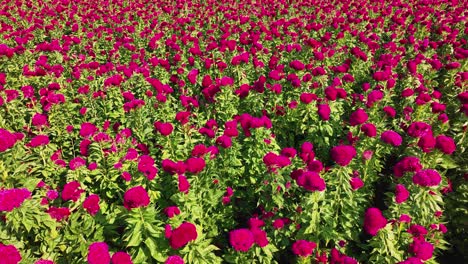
x,y
236,131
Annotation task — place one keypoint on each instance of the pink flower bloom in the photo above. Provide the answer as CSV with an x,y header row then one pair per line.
x,y
343,154
255,223
358,117
184,185
374,221
7,140
404,218
418,129
126,176
195,165
369,129
9,254
39,120
401,194
445,144
260,237
77,162
121,258
87,130
91,204
324,111
13,198
427,142
224,141
39,140
59,213
164,128
407,164
174,260
172,211
427,178
98,253
311,181
182,235
136,197
278,223
356,183
421,249
241,239
71,191
391,137
367,154
303,248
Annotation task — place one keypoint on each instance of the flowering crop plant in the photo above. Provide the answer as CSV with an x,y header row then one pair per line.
x,y
235,131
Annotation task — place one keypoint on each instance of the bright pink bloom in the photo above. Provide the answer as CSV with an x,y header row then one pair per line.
x,y
71,191
13,198
303,248
174,260
9,254
374,221
343,154
98,253
358,117
91,204
182,235
136,197
391,137
401,194
121,258
241,239
427,178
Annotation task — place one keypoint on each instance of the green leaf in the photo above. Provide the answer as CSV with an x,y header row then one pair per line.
x,y
153,249
135,238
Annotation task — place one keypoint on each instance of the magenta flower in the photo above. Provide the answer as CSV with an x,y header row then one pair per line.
x,y
241,239
343,154
421,249
87,130
13,198
77,162
407,164
184,185
356,183
369,129
427,178
7,140
9,254
445,144
172,211
183,234
195,165
324,111
303,248
71,191
311,181
98,253
358,117
59,213
374,221
174,260
91,204
121,258
164,128
401,193
260,237
391,137
136,197
39,140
